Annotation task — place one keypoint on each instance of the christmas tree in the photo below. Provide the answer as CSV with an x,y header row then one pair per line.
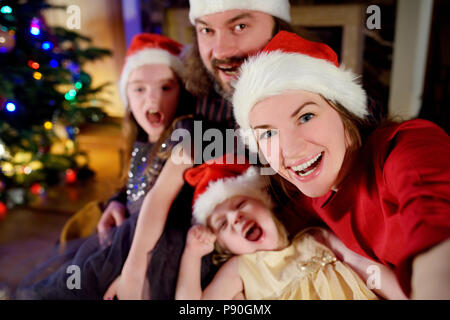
x,y
45,96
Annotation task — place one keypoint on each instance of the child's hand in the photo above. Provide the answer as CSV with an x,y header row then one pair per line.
x,y
200,240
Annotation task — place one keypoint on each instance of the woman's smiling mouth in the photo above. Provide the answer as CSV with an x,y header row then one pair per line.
x,y
309,169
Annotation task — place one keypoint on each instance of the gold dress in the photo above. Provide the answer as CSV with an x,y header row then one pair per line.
x,y
305,270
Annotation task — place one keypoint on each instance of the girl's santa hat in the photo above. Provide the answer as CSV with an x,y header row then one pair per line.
x,y
277,8
289,63
148,48
216,181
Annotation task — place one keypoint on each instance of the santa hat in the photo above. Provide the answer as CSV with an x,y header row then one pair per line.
x,y
276,8
216,181
147,48
287,63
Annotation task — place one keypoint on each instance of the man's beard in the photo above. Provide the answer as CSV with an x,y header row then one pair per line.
x,y
214,76
226,94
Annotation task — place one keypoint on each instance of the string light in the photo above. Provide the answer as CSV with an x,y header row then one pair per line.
x,y
54,63
71,94
11,107
33,65
34,28
46,46
78,85
6,10
37,75
48,125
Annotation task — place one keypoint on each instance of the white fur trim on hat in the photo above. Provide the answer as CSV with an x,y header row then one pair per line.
x,y
276,8
269,74
144,57
250,184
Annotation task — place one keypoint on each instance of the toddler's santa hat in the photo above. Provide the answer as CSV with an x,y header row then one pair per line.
x,y
216,181
289,63
276,8
148,48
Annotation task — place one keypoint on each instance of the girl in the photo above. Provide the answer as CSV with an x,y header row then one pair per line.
x,y
155,101
232,209
383,191
150,87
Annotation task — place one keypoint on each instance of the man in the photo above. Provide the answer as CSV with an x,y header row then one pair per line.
x,y
226,33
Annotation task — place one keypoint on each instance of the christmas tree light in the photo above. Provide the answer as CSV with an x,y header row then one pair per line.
x,y
46,45
11,107
6,10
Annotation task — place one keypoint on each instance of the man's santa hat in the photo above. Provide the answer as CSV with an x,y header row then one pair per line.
x,y
289,63
148,48
216,181
276,8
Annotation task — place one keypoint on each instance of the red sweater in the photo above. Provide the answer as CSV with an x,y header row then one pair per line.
x,y
395,202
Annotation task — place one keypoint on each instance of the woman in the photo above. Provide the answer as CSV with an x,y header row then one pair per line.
x,y
383,191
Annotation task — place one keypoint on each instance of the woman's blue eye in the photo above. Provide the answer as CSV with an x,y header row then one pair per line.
x,y
306,117
267,134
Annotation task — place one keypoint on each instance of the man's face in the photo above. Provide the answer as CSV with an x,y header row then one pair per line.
x,y
227,38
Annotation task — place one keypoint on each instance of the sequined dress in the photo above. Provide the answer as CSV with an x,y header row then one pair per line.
x,y
305,270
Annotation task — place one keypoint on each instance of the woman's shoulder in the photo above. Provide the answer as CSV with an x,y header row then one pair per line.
x,y
409,131
412,139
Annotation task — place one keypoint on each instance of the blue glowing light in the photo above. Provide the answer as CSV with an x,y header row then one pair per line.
x,y
6,10
35,31
11,107
54,63
47,45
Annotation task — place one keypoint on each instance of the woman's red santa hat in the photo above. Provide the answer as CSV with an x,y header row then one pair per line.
x,y
216,181
148,48
289,63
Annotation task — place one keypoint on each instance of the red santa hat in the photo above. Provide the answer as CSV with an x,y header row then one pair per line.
x,y
277,8
288,63
147,48
218,180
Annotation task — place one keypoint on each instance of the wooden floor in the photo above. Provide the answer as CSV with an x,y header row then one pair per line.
x,y
28,232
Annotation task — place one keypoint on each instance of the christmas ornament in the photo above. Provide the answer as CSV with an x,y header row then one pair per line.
x,y
71,176
37,189
3,210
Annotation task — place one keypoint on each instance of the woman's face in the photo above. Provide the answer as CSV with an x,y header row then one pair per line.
x,y
153,92
303,138
244,225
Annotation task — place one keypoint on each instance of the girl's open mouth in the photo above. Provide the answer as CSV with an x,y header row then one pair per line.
x,y
253,231
155,118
